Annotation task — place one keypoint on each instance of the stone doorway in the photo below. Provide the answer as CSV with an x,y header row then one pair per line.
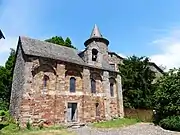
x,y
72,112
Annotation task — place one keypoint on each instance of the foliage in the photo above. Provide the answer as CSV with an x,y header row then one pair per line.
x,y
13,129
9,129
171,123
6,75
137,78
28,125
167,95
60,41
120,122
5,119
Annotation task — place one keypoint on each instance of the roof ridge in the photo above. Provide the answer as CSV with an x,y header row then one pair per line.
x,y
25,37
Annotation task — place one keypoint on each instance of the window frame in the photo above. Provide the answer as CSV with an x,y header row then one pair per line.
x,y
45,81
72,84
94,54
93,85
112,89
97,109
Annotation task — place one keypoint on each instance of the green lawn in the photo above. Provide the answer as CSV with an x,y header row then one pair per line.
x,y
116,123
13,130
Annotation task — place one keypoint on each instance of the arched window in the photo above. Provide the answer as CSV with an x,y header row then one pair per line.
x,y
93,86
72,84
45,81
111,89
94,54
97,109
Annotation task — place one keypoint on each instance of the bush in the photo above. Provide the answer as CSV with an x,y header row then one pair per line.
x,y
171,123
11,127
6,117
28,125
167,95
3,105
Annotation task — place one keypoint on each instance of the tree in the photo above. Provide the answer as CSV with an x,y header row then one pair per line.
x,y
56,40
167,95
137,82
6,75
60,41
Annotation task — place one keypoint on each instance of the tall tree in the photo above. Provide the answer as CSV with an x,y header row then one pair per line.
x,y
6,75
137,82
60,41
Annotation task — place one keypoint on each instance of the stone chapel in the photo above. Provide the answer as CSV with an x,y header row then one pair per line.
x,y
58,84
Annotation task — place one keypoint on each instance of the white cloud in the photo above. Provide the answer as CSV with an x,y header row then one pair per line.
x,y
169,46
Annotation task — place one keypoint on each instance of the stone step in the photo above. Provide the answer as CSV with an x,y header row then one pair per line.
x,y
75,125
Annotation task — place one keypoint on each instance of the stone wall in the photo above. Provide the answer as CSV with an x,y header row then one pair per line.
x,y
113,59
18,83
50,103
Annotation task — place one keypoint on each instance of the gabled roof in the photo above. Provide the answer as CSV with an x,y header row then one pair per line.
x,y
45,49
157,67
116,55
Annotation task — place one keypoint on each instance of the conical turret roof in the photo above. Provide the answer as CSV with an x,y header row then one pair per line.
x,y
96,36
95,32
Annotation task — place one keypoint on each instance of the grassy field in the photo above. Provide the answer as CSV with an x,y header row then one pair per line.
x,y
12,129
116,123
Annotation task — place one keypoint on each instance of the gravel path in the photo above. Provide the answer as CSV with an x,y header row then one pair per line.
x,y
137,129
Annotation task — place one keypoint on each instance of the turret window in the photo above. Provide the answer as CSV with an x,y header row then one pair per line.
x,y
94,54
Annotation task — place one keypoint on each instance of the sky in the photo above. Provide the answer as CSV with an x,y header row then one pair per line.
x,y
134,27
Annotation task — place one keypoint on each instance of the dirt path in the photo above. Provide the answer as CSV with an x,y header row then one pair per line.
x,y
137,129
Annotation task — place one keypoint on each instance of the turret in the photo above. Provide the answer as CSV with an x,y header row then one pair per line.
x,y
96,48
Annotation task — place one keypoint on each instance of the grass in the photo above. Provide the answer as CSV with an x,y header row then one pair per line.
x,y
12,129
116,123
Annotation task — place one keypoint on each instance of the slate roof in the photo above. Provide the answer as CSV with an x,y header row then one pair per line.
x,y
36,47
44,49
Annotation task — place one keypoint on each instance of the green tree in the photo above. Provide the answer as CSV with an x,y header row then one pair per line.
x,y
6,75
137,82
56,40
167,95
60,41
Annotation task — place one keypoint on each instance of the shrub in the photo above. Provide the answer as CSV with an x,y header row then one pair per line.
x,y
167,95
171,123
28,125
3,113
6,117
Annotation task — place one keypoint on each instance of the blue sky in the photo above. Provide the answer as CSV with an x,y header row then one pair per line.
x,y
141,27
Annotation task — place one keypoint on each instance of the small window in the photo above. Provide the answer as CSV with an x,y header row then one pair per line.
x,y
72,84
97,109
112,89
94,54
93,86
112,66
45,81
